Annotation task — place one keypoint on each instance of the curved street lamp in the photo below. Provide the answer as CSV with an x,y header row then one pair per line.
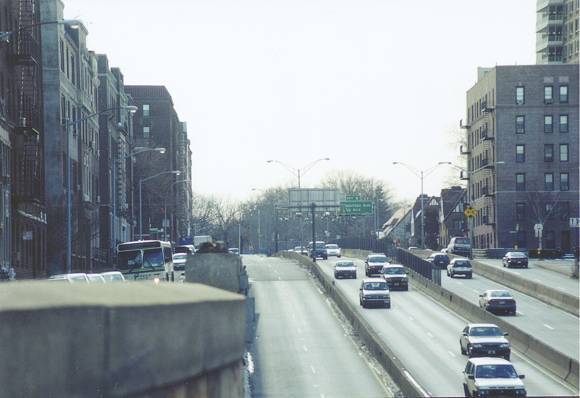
x,y
73,23
298,172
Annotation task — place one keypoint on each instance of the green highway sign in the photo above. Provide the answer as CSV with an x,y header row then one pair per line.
x,y
358,208
352,198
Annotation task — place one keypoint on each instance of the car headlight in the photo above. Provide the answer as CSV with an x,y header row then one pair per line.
x,y
504,345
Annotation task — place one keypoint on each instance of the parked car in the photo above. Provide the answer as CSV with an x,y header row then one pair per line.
x,y
113,276
70,278
460,246
439,260
487,377
374,292
333,250
344,269
396,276
484,340
96,278
179,260
515,259
498,301
460,266
374,264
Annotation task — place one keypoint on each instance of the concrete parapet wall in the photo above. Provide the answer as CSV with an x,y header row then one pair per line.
x,y
117,340
221,270
356,253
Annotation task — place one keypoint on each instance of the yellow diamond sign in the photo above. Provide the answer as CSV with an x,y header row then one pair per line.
x,y
470,212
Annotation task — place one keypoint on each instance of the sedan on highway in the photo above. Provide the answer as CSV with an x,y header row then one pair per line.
x,y
374,264
396,276
498,301
484,340
333,250
345,269
179,260
460,266
515,259
440,260
374,292
492,377
70,278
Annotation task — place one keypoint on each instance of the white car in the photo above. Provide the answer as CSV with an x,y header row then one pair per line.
x,y
460,266
179,260
333,250
492,377
344,269
374,292
70,278
96,278
113,276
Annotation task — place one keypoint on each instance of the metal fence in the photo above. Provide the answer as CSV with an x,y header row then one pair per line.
x,y
370,244
419,265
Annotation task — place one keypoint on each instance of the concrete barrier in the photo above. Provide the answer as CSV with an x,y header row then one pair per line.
x,y
221,270
356,253
377,347
118,340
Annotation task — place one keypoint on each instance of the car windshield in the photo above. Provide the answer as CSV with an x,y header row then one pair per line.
x,y
320,246
485,331
441,257
180,256
375,286
495,372
393,270
500,293
344,264
331,246
516,254
377,259
462,241
462,264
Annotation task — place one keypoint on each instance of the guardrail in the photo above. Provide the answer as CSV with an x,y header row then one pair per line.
x,y
419,265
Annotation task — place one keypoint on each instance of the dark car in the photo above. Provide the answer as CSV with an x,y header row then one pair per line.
x,y
440,260
396,276
498,301
374,264
459,266
515,259
319,251
484,340
460,246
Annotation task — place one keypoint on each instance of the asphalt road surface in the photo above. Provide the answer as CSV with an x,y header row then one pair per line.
x,y
301,349
425,336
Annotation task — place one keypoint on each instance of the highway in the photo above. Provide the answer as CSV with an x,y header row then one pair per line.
x,y
553,279
425,336
301,348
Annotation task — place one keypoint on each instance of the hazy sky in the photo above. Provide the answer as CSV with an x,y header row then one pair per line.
x,y
364,82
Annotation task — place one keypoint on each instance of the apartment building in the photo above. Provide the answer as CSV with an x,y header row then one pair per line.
x,y
557,37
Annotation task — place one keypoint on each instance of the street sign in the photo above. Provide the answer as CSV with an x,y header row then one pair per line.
x,y
360,208
470,212
324,199
574,222
352,198
538,228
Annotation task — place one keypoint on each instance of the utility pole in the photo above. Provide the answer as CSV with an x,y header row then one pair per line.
x,y
312,210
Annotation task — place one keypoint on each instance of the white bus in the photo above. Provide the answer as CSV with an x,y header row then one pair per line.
x,y
145,259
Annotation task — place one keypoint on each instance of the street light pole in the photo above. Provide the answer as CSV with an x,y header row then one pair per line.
x,y
141,181
298,173
68,199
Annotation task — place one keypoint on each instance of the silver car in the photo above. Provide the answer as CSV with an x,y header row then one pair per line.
x,y
485,377
374,292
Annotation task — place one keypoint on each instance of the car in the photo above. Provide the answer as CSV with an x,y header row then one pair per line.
x,y
439,260
460,266
460,246
344,269
498,301
492,377
333,250
187,249
515,259
396,276
113,276
318,250
70,278
96,278
179,260
301,250
374,264
444,250
484,340
374,292
234,250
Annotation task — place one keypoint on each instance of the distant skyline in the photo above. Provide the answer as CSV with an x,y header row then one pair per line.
x,y
364,83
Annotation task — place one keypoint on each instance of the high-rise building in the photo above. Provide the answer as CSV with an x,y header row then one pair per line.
x,y
557,31
522,152
183,192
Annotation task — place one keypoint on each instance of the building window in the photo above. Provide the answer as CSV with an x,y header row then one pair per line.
x,y
61,56
520,211
520,153
145,110
520,95
520,124
548,123
548,94
146,131
564,182
520,182
563,94
548,181
563,152
548,153
563,123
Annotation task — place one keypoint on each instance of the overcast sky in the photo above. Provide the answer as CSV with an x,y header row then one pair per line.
x,y
364,82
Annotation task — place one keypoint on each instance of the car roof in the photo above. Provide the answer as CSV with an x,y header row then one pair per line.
x,y
460,259
112,273
76,274
489,361
482,325
376,255
393,266
344,261
373,280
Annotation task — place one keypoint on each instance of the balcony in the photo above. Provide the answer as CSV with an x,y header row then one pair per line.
x,y
462,152
464,126
24,48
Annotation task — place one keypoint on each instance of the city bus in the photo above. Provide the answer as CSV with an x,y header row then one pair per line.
x,y
145,259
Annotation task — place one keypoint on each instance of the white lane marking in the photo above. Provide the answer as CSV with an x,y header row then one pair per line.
x,y
305,348
312,369
417,385
548,326
451,353
430,334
